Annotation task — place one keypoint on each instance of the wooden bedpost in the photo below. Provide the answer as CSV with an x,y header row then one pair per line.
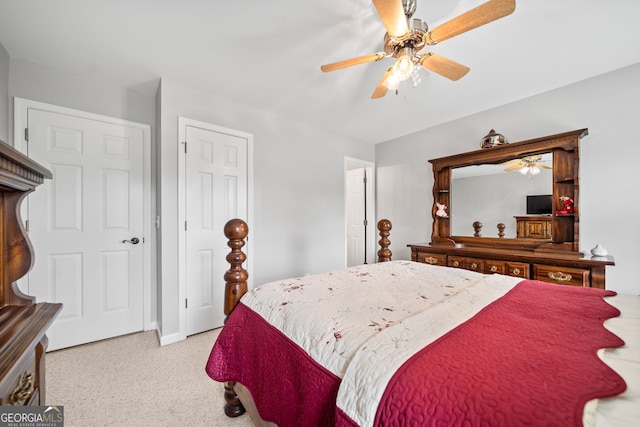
x,y
236,231
384,254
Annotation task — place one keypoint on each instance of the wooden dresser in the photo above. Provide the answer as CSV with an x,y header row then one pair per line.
x,y
564,269
23,323
546,247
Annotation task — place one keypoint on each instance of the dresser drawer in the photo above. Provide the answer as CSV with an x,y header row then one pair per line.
x,y
474,264
431,258
455,261
20,386
561,275
517,269
496,267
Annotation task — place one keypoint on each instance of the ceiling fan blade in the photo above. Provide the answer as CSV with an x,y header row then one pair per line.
x,y
443,66
353,61
392,15
544,166
381,89
514,168
483,14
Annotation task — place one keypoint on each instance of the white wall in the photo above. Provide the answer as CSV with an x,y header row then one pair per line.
x,y
298,199
609,196
44,84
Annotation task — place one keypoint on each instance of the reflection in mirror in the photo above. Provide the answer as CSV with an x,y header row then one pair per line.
x,y
495,194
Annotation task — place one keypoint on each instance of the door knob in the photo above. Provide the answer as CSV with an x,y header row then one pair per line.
x,y
133,241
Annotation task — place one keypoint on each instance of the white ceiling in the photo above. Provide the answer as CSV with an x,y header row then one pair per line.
x,y
267,53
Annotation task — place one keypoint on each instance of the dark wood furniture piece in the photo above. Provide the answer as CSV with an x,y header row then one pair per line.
x,y
556,259
534,227
23,323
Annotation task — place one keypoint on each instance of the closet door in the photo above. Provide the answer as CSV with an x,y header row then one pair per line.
x,y
215,192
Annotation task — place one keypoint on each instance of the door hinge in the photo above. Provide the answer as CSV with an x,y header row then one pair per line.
x,y
26,225
185,303
26,134
185,146
364,179
185,226
365,222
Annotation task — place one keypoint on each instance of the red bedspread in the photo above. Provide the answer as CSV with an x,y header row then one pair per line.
x,y
257,355
529,358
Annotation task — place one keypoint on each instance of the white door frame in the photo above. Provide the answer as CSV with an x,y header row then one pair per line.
x,y
21,109
183,122
350,162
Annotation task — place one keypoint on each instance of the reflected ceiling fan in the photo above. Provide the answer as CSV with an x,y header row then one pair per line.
x,y
406,36
530,165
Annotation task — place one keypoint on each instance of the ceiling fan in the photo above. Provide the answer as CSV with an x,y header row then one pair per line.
x,y
530,165
406,36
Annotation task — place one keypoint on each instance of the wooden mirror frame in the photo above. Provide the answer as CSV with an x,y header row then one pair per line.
x,y
566,158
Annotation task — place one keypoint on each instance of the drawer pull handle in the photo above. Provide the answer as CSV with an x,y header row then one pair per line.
x,y
474,266
456,263
559,276
516,271
494,268
24,390
430,260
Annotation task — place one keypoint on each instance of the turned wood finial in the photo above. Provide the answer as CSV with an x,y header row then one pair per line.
x,y
477,226
236,231
501,228
384,254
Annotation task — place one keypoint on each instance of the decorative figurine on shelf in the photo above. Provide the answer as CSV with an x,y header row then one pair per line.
x,y
598,251
492,139
567,207
441,212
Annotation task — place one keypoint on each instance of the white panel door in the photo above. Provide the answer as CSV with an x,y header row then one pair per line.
x,y
216,191
80,222
356,241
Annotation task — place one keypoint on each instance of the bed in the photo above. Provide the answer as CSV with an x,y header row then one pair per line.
x,y
405,343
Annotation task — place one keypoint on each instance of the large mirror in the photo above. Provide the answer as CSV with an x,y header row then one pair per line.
x,y
543,167
504,193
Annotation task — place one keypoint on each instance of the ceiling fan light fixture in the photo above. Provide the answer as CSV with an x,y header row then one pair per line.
x,y
404,66
406,36
530,170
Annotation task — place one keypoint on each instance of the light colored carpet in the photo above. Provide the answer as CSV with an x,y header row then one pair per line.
x,y
132,381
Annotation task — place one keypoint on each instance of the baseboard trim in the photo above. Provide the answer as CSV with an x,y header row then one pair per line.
x,y
169,339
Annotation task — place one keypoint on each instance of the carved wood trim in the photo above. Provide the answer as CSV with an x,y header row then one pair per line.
x,y
505,152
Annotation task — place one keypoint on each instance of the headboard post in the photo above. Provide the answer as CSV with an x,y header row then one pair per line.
x,y
384,254
236,231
